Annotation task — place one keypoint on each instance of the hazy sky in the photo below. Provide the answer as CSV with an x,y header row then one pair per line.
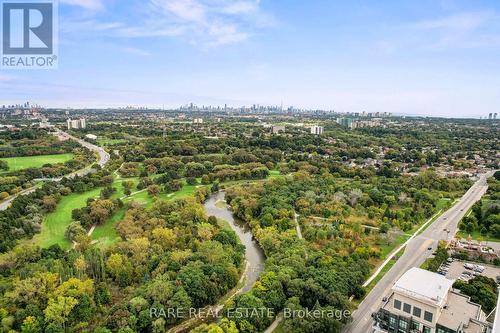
x,y
439,58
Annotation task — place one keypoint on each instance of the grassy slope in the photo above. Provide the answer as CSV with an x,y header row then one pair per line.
x,y
25,162
476,235
55,223
105,234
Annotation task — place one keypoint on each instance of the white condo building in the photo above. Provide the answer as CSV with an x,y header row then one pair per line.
x,y
76,123
317,130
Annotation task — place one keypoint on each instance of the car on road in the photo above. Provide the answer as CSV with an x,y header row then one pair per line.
x,y
429,248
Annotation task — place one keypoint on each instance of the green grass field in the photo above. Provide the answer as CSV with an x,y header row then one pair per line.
x,y
25,162
476,235
105,234
118,185
106,141
54,225
145,199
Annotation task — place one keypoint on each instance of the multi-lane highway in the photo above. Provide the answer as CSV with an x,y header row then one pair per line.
x,y
103,159
417,250
103,155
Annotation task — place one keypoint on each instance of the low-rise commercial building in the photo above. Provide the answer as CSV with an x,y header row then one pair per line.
x,y
425,302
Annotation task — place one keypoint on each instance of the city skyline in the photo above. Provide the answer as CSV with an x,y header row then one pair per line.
x,y
430,58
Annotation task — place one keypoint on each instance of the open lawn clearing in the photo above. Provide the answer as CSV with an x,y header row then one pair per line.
x,y
54,225
26,162
106,234
106,141
478,236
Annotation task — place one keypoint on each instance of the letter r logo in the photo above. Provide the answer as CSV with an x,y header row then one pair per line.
x,y
27,28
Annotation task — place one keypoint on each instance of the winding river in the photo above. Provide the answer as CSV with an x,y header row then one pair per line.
x,y
216,206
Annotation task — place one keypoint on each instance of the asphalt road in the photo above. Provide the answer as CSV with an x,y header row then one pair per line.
x,y
415,254
5,204
103,155
103,159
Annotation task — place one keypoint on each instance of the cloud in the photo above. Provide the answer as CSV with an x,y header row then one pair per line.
x,y
87,4
240,7
211,22
72,25
201,22
459,30
136,51
148,31
225,34
186,10
463,22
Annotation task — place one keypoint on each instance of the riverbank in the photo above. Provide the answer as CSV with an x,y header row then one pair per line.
x,y
254,260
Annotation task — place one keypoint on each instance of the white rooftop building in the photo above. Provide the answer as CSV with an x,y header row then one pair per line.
x,y
425,302
423,285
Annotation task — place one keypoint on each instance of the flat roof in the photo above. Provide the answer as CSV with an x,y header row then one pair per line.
x,y
426,286
460,310
496,326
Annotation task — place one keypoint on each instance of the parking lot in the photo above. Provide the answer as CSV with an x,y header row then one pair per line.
x,y
456,269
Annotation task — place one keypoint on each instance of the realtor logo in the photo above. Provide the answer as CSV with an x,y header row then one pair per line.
x,y
28,34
